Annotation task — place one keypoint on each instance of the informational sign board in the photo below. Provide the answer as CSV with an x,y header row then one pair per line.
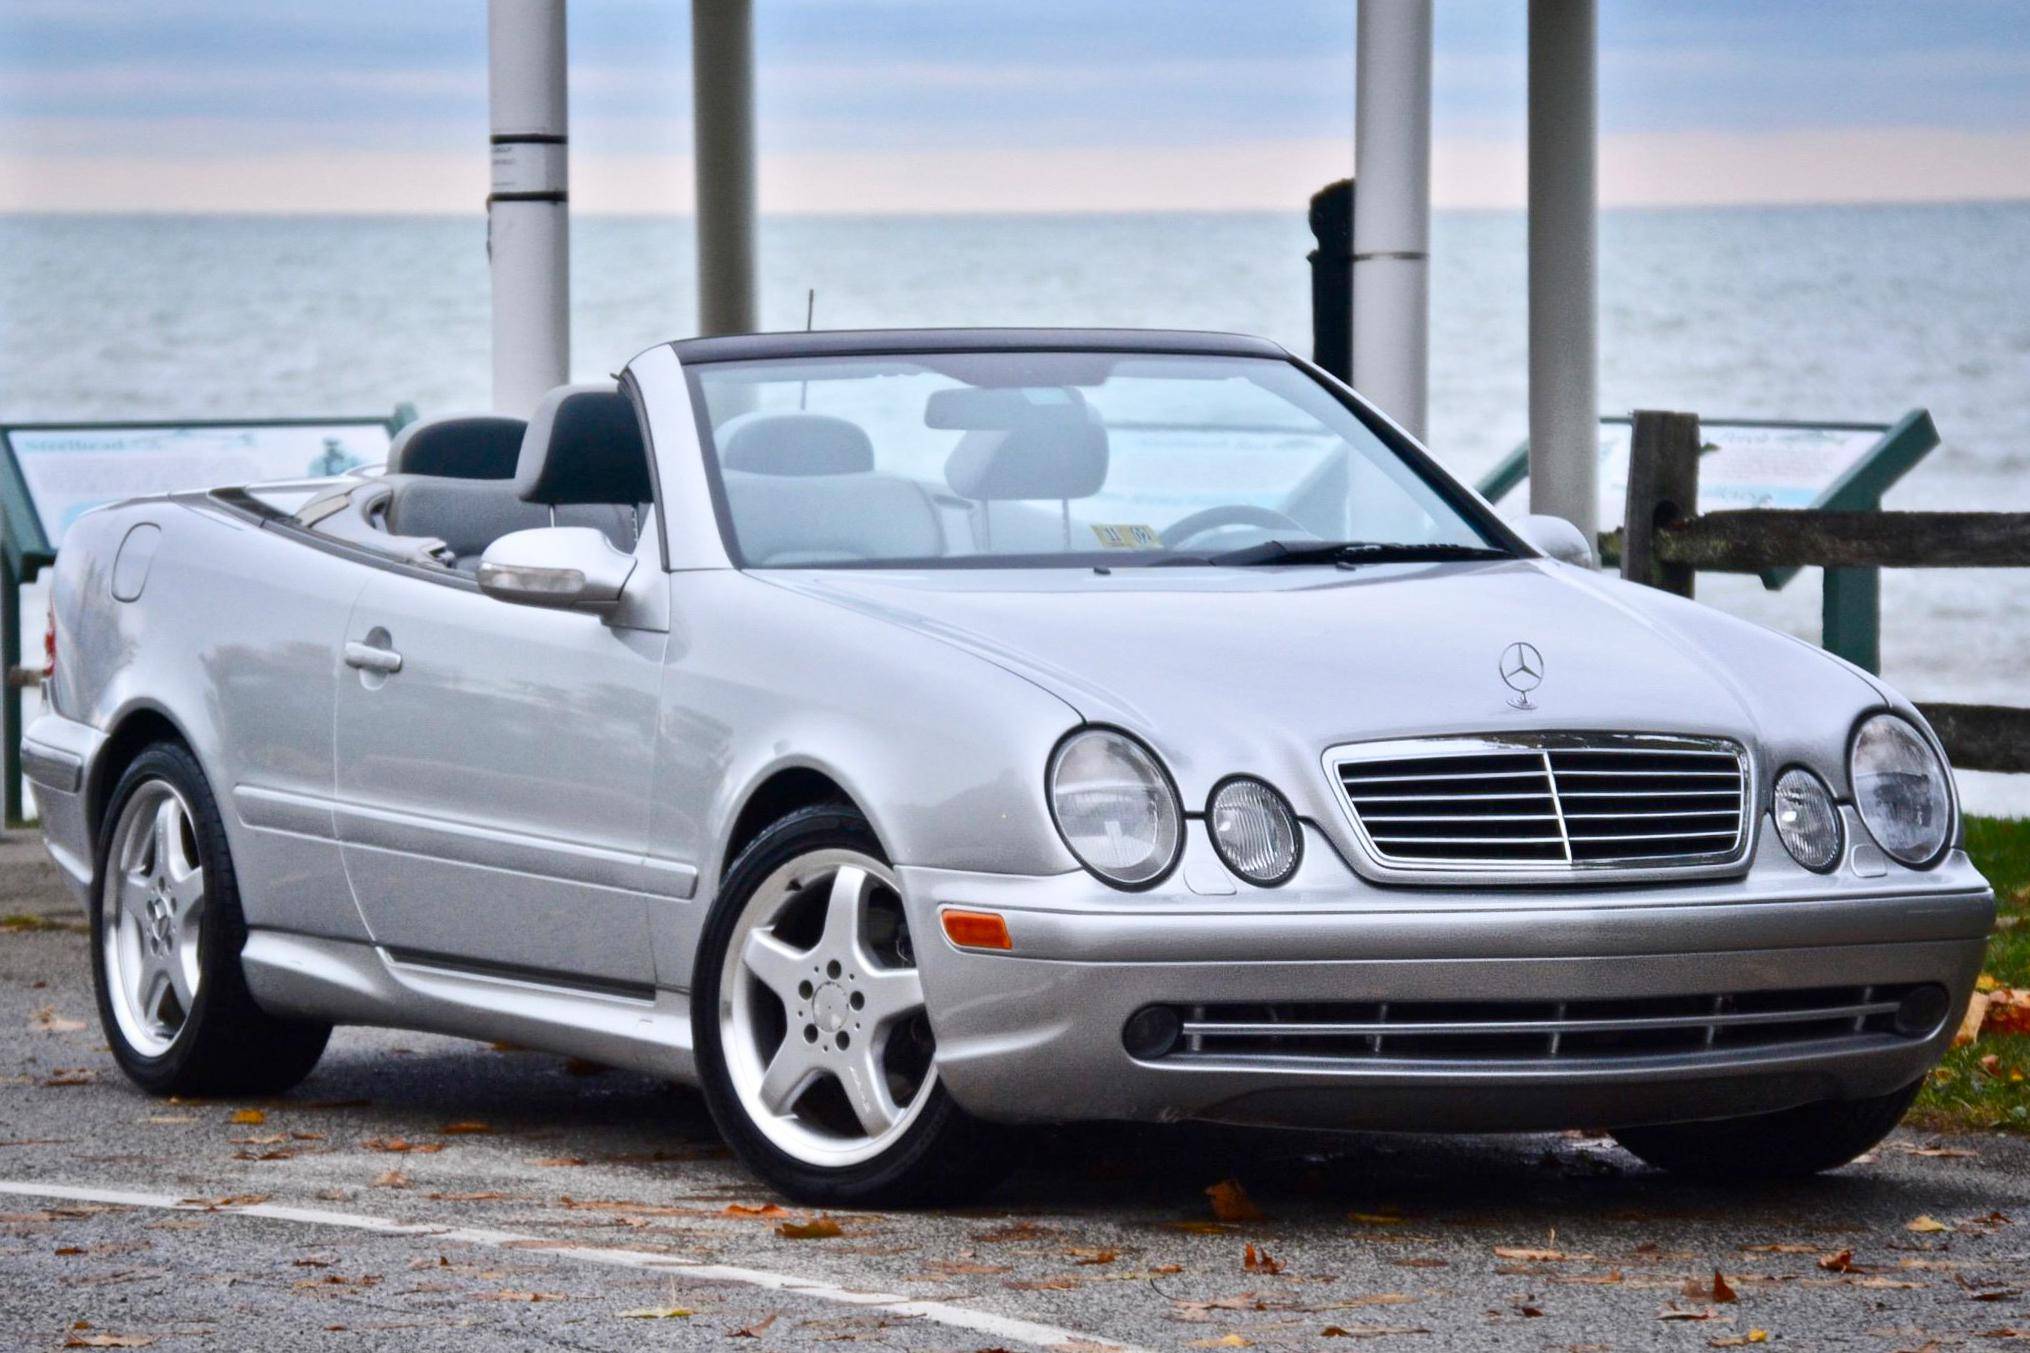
x,y
64,471
1742,465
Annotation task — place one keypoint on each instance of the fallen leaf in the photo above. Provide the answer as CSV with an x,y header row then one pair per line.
x,y
510,1294
657,1313
229,1200
108,1341
1376,1218
1970,1023
1369,1331
1529,1255
1224,1341
1259,1261
818,1228
1087,1258
69,1075
1843,1262
247,1118
466,1129
756,1330
391,1179
1045,1285
770,1210
1230,1202
1739,1340
1718,1292
1013,1234
400,1146
479,1196
1197,1228
2009,1011
557,1162
1925,1225
46,1020
1674,1312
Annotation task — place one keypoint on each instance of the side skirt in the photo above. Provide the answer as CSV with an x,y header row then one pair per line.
x,y
351,983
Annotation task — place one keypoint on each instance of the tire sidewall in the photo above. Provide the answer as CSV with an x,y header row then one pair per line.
x,y
218,945
895,1172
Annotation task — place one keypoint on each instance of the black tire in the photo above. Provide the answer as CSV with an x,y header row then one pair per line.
x,y
1788,1144
227,1044
946,1155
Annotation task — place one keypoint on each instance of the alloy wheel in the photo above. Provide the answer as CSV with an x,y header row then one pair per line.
x,y
153,904
821,1013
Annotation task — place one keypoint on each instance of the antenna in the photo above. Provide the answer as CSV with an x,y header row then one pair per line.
x,y
810,308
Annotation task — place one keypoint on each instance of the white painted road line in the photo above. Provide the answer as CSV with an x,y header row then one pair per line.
x,y
1001,1327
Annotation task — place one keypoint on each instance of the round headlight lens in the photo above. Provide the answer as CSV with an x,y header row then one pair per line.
x,y
1254,831
1806,820
1900,789
1115,807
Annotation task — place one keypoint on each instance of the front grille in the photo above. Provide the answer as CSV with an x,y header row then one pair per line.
x,y
1550,803
1537,1031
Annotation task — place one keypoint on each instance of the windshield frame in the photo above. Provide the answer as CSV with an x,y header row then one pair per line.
x,y
1448,489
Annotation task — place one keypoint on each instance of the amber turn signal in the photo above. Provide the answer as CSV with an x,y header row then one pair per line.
x,y
976,929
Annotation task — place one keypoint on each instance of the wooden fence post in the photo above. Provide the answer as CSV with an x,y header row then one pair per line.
x,y
1663,487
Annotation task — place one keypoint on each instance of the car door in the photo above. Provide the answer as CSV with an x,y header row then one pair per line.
x,y
494,763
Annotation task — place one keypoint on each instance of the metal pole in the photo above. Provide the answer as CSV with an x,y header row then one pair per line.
x,y
1392,208
528,230
1564,345
722,108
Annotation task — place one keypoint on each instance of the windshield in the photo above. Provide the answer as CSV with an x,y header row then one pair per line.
x,y
1049,459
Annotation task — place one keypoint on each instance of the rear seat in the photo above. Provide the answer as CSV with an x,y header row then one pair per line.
x,y
803,490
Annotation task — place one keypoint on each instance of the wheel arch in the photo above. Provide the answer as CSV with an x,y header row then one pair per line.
x,y
778,792
136,729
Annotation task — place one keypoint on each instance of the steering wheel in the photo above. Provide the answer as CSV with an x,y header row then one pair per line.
x,y
1231,514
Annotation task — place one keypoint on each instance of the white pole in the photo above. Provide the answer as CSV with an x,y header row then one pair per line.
x,y
722,104
1392,206
528,215
1564,344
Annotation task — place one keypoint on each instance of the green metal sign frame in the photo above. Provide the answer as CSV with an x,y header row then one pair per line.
x,y
26,549
1851,605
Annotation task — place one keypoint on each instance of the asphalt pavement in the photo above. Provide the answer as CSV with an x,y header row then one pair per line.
x,y
424,1193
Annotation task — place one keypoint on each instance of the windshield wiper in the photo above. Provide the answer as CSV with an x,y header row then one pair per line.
x,y
1345,553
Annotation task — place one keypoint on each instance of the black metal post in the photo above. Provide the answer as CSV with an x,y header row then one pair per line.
x,y
1332,279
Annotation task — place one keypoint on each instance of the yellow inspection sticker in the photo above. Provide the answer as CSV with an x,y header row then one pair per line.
x,y
1128,537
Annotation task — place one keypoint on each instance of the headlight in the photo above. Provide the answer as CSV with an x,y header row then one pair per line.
x,y
1806,820
1254,831
1115,807
1900,789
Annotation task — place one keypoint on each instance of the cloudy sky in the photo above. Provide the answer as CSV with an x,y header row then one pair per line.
x,y
929,105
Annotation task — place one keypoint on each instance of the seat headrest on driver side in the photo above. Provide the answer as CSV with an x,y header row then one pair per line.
x,y
796,444
1055,449
583,446
459,446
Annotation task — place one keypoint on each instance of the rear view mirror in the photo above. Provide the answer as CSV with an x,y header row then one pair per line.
x,y
566,567
1557,538
978,408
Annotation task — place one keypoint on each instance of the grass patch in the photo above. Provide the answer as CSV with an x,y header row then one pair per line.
x,y
1962,1093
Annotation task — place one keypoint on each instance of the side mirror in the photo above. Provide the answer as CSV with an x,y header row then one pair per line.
x,y
565,567
1559,539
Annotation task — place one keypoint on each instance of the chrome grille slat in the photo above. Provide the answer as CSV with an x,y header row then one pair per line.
x,y
1542,1031
1547,804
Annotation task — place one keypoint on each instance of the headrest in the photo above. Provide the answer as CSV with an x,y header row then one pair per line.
x,y
583,446
459,446
797,444
1056,449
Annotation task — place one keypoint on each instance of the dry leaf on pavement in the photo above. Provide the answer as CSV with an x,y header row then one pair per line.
x,y
1925,1225
818,1228
657,1313
1718,1292
1259,1261
1230,1202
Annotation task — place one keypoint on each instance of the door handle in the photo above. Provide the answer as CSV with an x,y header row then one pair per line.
x,y
370,659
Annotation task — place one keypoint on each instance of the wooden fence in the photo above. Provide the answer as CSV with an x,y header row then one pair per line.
x,y
1666,543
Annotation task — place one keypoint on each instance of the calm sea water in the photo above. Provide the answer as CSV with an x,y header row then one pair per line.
x,y
1830,312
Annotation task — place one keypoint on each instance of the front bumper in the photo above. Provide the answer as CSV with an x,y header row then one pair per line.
x,y
1036,1034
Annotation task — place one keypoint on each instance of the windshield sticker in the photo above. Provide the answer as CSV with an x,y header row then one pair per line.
x,y
1132,537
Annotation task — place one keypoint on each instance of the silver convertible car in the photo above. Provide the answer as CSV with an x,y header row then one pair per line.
x,y
903,735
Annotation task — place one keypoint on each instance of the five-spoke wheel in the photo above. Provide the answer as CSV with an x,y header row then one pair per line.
x,y
167,932
154,910
814,1042
821,1012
